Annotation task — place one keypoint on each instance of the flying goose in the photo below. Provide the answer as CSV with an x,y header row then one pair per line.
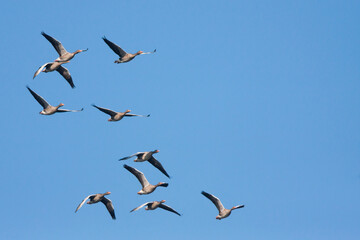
x,y
99,197
147,188
117,116
64,55
123,56
52,66
154,205
147,156
48,109
223,212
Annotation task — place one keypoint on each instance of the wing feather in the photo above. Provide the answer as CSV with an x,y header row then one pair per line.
x,y
56,44
158,165
40,69
136,154
83,201
142,205
166,207
66,110
135,115
39,99
139,175
109,206
66,74
118,50
215,200
105,110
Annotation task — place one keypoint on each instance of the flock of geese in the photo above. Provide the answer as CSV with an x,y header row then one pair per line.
x,y
147,188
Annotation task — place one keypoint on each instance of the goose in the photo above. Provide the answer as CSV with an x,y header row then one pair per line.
x,y
147,156
223,212
117,116
99,197
48,109
147,188
64,55
154,205
56,66
123,56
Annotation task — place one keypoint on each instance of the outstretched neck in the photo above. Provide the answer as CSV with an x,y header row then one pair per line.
x,y
60,105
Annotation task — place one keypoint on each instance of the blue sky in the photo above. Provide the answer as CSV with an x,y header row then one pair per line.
x,y
256,102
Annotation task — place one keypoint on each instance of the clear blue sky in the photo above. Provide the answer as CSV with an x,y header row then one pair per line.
x,y
256,102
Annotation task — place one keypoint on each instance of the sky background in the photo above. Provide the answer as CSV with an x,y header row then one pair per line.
x,y
256,102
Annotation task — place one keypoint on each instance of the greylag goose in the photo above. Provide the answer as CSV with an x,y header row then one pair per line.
x,y
123,56
117,116
48,109
52,66
64,55
99,197
223,212
147,188
154,205
147,156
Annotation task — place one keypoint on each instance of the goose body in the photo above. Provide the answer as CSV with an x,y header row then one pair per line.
x,y
154,205
123,56
64,55
117,116
147,188
99,197
48,109
147,156
223,212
